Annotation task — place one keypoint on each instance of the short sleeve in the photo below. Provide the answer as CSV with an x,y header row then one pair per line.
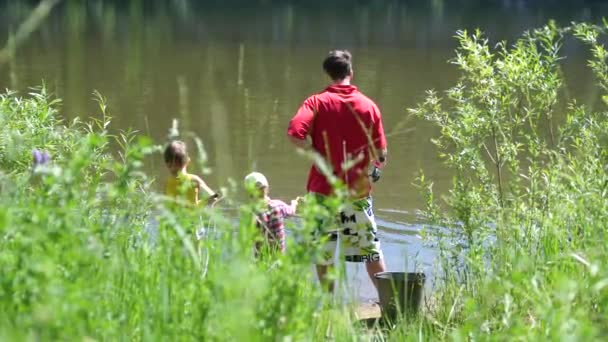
x,y
301,124
283,209
378,129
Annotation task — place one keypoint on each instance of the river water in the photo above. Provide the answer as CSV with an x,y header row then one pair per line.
x,y
234,72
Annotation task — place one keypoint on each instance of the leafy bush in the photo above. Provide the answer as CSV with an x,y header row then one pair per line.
x,y
529,206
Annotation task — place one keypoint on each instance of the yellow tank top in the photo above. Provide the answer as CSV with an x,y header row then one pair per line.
x,y
184,187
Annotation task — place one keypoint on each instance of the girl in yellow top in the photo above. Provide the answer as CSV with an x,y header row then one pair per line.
x,y
182,184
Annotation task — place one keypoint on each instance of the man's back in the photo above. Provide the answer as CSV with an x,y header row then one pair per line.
x,y
344,126
346,129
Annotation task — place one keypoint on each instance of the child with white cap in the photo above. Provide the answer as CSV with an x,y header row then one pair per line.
x,y
270,218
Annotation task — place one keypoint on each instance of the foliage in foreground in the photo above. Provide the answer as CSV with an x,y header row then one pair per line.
x,y
87,249
525,256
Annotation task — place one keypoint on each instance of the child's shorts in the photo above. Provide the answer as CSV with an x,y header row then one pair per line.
x,y
356,232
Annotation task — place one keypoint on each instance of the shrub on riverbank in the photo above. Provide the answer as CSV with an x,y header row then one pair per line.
x,y
525,257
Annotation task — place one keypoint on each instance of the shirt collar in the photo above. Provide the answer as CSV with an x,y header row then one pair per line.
x,y
341,89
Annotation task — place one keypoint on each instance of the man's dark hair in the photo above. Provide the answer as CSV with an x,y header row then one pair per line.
x,y
338,64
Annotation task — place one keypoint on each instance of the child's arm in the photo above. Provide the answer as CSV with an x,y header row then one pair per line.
x,y
205,191
289,210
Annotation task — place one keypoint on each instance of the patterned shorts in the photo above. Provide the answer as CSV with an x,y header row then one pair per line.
x,y
356,234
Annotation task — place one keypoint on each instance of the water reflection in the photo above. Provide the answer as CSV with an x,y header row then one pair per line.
x,y
233,72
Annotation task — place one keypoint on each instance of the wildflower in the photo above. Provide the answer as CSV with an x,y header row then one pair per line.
x,y
40,157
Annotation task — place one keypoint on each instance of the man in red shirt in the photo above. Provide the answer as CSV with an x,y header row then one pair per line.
x,y
345,128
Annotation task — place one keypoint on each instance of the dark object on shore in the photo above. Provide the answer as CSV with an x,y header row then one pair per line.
x,y
400,294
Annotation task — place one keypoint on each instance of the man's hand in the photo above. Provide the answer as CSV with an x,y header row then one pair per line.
x,y
381,158
379,163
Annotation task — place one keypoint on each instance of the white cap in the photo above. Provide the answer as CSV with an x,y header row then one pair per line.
x,y
257,179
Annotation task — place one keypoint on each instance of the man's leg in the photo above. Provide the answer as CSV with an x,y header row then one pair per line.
x,y
322,271
374,267
364,227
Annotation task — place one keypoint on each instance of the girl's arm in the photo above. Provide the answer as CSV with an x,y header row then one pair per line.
x,y
205,191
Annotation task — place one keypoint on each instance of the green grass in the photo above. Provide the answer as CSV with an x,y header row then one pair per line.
x,y
77,261
529,209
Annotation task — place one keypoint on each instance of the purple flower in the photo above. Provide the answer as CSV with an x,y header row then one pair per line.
x,y
40,157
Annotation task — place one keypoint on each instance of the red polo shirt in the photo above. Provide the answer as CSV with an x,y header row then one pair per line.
x,y
344,125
